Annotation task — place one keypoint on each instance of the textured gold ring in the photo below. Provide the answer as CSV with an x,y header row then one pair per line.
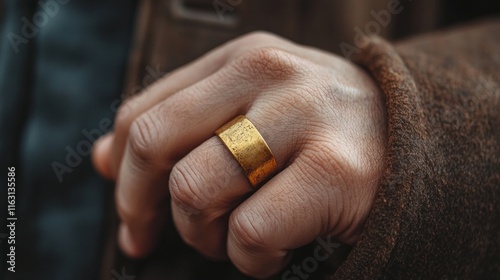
x,y
249,148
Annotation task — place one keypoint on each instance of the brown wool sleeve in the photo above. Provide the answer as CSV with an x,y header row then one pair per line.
x,y
437,213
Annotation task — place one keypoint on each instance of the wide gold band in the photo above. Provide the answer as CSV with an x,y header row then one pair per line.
x,y
249,148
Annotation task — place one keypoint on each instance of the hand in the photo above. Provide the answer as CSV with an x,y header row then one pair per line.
x,y
322,117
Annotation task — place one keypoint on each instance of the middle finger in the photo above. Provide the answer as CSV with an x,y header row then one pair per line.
x,y
208,183
172,128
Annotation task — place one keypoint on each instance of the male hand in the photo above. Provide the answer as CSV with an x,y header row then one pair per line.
x,y
322,116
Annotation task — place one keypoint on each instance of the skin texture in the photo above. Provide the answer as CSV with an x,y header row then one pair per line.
x,y
322,116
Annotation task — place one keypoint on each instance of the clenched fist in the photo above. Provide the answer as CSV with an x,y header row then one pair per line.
x,y
322,117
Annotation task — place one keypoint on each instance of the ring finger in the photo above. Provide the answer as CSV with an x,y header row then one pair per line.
x,y
209,183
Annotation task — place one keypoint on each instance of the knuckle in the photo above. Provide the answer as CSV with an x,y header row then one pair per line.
x,y
183,188
257,37
143,140
268,63
246,234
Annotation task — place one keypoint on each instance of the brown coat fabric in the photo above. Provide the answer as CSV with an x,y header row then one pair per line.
x,y
171,33
437,213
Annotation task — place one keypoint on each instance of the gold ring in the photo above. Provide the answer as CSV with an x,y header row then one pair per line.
x,y
249,148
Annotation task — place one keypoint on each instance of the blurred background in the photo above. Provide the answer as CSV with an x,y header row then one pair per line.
x,y
65,67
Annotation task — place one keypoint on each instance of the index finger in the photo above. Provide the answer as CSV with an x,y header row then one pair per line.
x,y
108,162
